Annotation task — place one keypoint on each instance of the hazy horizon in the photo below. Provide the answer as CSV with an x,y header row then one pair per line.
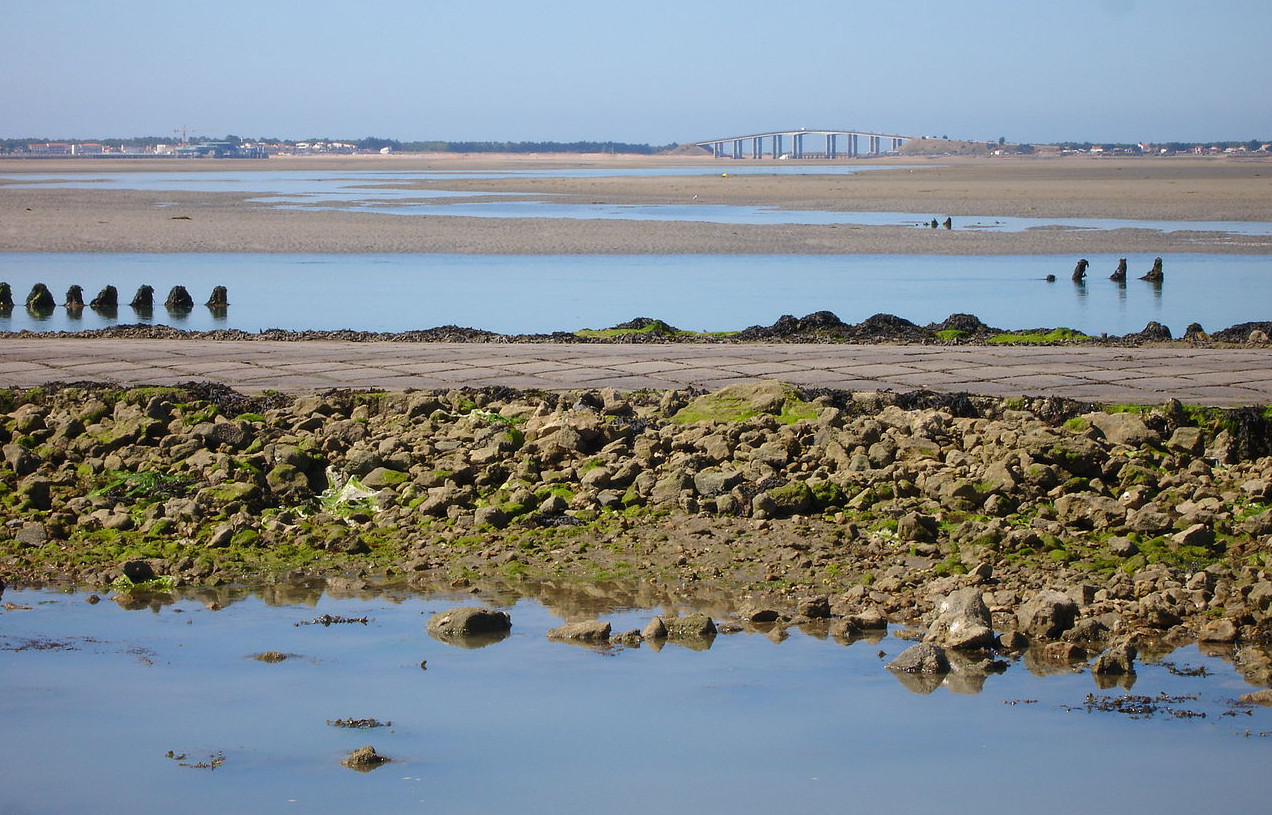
x,y
1100,71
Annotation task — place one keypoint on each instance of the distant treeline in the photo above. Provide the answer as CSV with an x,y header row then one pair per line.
x,y
372,143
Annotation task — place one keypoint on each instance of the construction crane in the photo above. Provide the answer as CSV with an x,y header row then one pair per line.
x,y
184,132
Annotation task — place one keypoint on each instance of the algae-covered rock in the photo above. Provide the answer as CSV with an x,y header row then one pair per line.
x,y
793,498
689,626
736,403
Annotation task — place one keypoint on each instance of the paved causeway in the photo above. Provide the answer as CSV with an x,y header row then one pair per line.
x,y
1240,376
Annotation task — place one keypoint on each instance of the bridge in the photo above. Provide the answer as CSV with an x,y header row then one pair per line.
x,y
851,146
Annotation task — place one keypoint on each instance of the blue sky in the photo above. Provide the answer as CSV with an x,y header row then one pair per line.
x,y
653,71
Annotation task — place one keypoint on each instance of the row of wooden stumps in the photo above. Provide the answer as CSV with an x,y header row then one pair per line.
x,y
41,299
1155,274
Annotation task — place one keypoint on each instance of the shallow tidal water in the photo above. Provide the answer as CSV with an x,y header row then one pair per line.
x,y
545,293
393,192
97,696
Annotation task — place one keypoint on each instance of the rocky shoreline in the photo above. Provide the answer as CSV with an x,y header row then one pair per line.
x,y
1078,529
821,326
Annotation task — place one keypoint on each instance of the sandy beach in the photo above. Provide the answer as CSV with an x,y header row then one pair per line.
x,y
1176,188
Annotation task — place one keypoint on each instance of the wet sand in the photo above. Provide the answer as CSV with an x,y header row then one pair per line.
x,y
1183,188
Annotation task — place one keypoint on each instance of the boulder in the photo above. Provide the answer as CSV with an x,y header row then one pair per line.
x,y
1086,510
20,459
738,401
962,622
1048,615
1190,440
711,483
1118,660
587,631
690,626
1221,630
923,658
815,608
468,621
139,571
655,630
1197,535
32,534
1122,428
792,499
235,435
220,298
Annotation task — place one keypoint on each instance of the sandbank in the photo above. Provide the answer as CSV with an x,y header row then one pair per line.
x,y
47,219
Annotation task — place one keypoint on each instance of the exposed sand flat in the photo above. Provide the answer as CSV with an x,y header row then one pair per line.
x,y
1204,188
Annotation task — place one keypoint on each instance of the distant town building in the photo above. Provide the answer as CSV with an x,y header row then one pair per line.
x,y
218,149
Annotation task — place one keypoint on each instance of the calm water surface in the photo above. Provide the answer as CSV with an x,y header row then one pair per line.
x,y
544,293
95,697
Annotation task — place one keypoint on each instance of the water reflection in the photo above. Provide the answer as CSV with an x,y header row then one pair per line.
x,y
745,727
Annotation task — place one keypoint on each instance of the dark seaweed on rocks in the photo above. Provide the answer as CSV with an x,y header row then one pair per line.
x,y
969,324
1241,332
1251,432
820,326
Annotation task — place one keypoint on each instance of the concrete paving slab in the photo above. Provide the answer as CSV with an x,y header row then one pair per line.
x,y
1200,375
